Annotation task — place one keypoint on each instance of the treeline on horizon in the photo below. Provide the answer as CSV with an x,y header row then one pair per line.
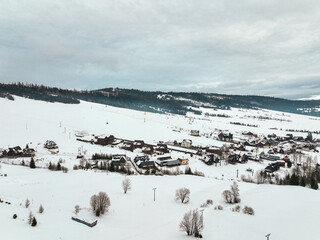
x,y
159,102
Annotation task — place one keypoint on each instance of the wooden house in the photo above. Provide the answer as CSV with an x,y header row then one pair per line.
x,y
147,150
195,133
226,137
184,161
128,146
161,147
138,144
187,143
105,140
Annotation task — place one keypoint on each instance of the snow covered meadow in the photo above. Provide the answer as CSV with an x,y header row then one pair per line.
x,y
287,212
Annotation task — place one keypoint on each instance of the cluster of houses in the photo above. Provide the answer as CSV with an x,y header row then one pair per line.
x,y
18,152
145,162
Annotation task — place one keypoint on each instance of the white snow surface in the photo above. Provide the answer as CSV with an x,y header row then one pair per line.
x,y
287,212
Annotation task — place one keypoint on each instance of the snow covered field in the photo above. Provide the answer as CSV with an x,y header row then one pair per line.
x,y
286,212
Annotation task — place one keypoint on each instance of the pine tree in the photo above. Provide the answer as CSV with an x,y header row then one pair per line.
x,y
34,222
41,209
50,166
314,184
59,167
32,163
303,181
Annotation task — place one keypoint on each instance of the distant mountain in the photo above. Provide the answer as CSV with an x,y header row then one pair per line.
x,y
160,102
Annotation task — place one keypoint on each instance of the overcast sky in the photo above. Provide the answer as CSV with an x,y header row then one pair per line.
x,y
269,47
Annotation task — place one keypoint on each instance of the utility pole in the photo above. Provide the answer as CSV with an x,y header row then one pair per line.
x,y
154,194
237,173
268,236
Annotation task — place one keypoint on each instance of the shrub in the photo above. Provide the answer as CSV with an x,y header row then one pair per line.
x,y
219,207
227,196
14,216
41,209
248,210
236,208
75,167
76,209
126,185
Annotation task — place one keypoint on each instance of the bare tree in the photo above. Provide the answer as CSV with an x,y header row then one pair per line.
x,y
192,223
227,196
76,209
100,203
183,194
126,185
27,203
30,218
235,192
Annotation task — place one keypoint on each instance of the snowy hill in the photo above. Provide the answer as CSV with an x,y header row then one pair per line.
x,y
287,212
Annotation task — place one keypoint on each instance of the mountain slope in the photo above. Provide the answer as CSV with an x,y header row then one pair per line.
x,y
162,102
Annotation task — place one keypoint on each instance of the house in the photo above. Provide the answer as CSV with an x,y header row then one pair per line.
x,y
187,143
195,133
184,161
272,168
210,159
105,140
119,160
128,146
147,150
50,145
225,137
138,144
147,164
273,157
141,158
214,150
13,152
164,158
234,158
172,163
161,147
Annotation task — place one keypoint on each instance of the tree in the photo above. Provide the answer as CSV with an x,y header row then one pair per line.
x,y
100,203
30,218
32,163
183,194
27,203
126,185
59,167
235,192
227,196
34,222
41,209
192,223
314,184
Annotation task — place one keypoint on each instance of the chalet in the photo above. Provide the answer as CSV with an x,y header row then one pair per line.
x,y
234,158
225,137
128,146
141,158
195,133
210,159
105,140
119,161
164,158
184,161
187,143
161,147
50,145
272,168
12,152
172,163
138,144
147,164
147,150
214,150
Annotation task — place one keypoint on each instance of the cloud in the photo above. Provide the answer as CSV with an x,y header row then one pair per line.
x,y
236,47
